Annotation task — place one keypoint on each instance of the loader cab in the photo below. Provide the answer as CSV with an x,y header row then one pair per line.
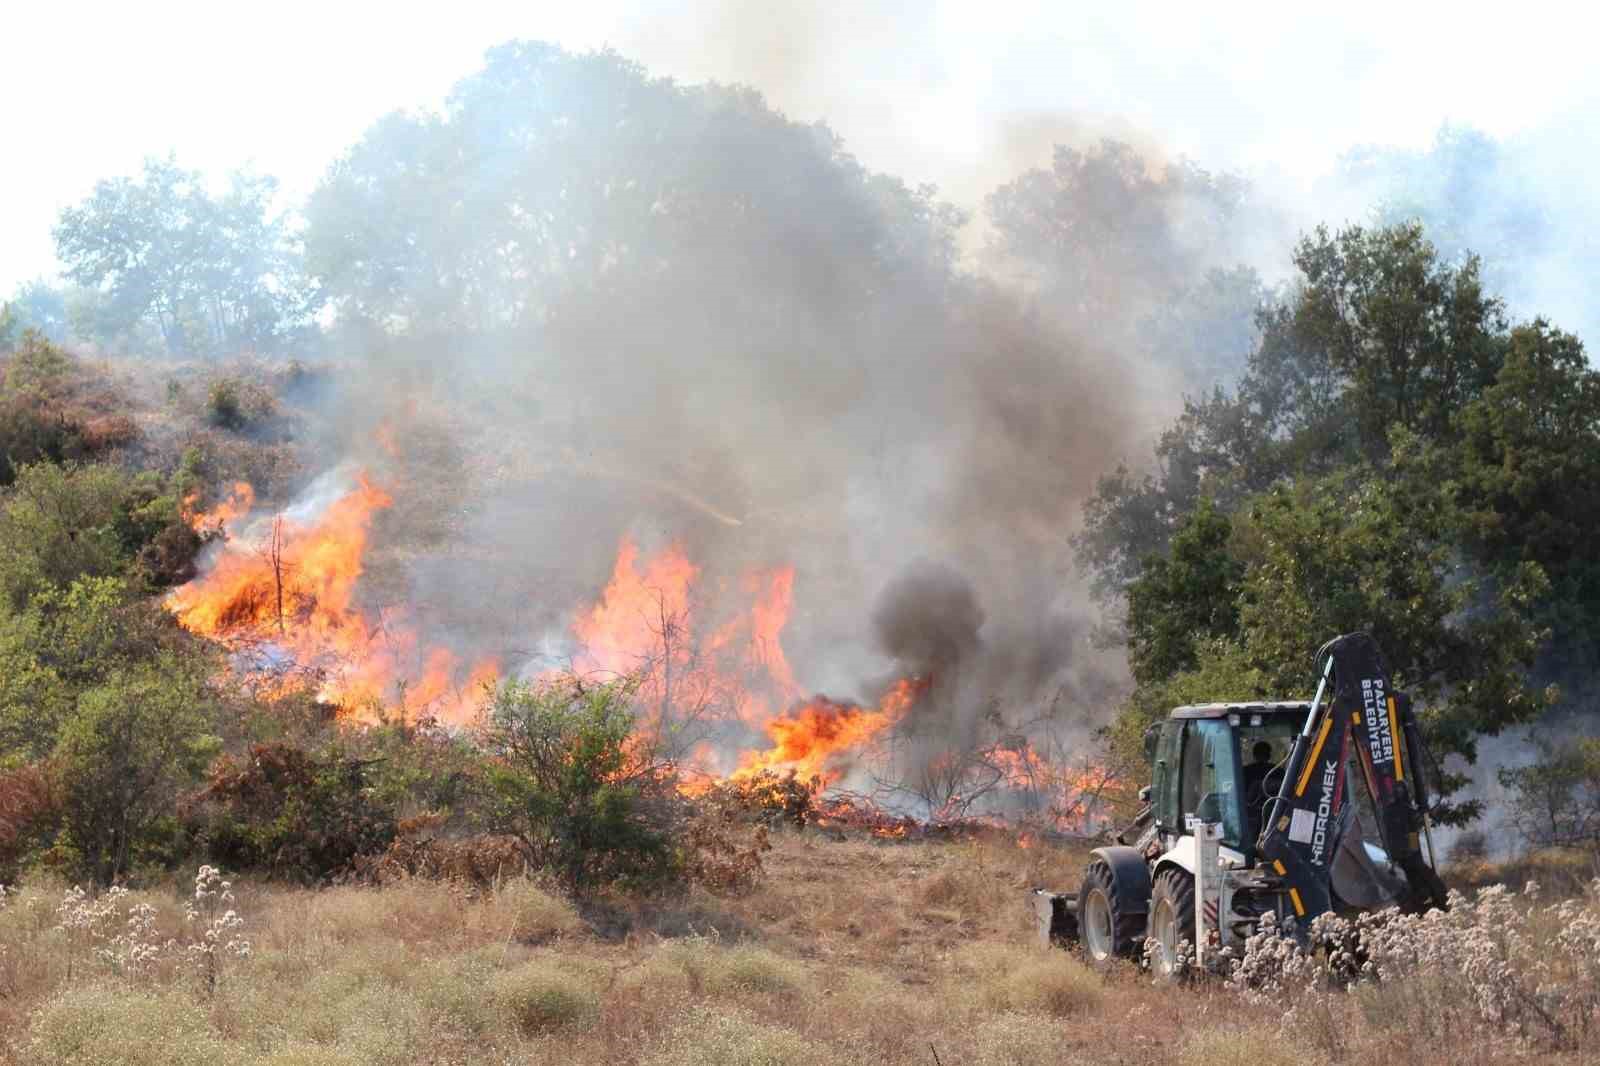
x,y
1230,752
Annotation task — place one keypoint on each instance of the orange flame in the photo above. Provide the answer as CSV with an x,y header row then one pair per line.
x,y
239,503
649,621
290,587
819,738
292,591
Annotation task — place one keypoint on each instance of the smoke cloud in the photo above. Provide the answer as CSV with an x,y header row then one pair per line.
x,y
584,303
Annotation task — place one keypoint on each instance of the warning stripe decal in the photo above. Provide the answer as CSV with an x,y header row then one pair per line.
x,y
1311,759
1399,749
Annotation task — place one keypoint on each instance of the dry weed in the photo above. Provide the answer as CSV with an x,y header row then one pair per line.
x,y
543,995
520,910
115,1024
1005,977
716,1038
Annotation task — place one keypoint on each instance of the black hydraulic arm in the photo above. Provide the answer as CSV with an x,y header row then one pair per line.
x,y
1355,707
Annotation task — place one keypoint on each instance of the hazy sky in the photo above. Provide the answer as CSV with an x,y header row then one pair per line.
x,y
960,94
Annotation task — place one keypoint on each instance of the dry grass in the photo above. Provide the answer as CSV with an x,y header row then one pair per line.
x,y
852,952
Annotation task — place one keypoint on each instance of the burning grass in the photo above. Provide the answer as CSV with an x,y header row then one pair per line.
x,y
854,951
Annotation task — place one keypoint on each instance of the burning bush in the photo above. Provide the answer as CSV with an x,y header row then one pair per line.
x,y
767,797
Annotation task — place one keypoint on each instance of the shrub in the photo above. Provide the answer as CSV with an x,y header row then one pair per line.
x,y
452,990
235,403
1493,967
224,407
1556,800
480,860
540,997
288,812
52,409
710,967
570,784
132,744
29,803
521,910
60,523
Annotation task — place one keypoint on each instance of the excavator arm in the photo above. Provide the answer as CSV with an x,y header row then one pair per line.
x,y
1357,711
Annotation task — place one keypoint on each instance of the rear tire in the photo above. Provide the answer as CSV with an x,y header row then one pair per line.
x,y
1108,924
1171,920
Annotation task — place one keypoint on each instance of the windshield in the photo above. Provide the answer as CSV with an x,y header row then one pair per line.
x,y
1264,744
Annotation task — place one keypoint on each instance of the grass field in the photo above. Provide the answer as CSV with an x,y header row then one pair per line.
x,y
851,951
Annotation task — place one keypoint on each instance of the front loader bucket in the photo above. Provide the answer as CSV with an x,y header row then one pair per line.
x,y
1055,916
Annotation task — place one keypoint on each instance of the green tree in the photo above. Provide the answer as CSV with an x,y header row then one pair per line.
x,y
576,786
1248,602
1349,552
1183,597
39,306
1526,474
209,272
1101,227
1220,449
573,196
1382,333
58,523
1379,334
65,641
131,745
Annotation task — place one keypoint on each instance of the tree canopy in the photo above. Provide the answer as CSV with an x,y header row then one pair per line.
x,y
1396,458
211,272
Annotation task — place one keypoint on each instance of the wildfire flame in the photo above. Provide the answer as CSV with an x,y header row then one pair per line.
x,y
288,591
284,588
819,738
647,621
241,499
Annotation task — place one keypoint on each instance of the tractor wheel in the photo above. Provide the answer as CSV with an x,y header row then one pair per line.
x,y
1107,928
1171,920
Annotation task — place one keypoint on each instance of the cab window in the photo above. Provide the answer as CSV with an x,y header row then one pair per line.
x,y
1208,767
1164,782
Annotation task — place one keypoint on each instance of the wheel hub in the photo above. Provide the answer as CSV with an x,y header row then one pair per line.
x,y
1096,922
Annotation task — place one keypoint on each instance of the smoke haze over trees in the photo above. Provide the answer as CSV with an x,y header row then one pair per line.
x,y
584,303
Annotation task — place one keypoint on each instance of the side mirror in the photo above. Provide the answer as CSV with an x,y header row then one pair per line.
x,y
1209,809
1150,737
1144,794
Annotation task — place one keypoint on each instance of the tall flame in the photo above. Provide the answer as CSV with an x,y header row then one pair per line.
x,y
712,674
288,590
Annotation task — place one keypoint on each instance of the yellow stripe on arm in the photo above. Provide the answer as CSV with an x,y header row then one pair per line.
x,y
1311,760
1399,749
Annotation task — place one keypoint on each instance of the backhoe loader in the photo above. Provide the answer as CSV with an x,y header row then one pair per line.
x,y
1248,814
